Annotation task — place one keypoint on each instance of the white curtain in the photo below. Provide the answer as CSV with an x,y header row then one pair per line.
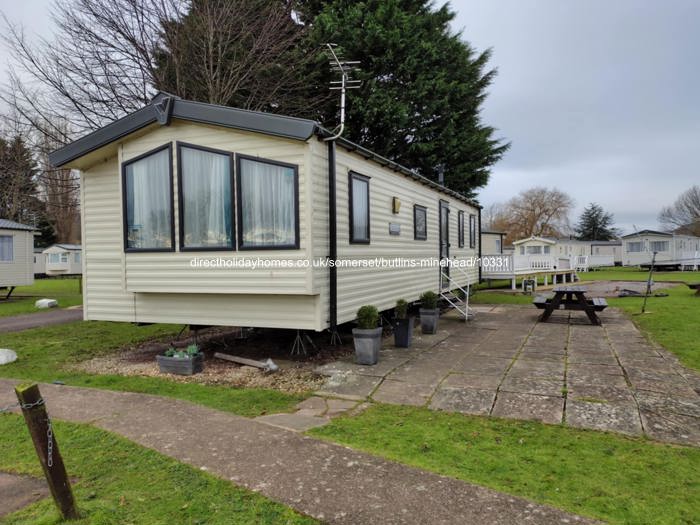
x,y
6,248
148,202
268,204
206,196
360,210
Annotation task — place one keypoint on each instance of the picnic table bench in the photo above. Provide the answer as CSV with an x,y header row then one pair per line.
x,y
695,286
570,298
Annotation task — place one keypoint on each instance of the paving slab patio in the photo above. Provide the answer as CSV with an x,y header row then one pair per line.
x,y
506,364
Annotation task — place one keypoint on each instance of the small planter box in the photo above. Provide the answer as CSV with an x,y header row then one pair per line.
x,y
182,366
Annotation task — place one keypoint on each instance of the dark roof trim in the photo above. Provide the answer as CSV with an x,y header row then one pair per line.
x,y
647,232
493,233
165,106
6,224
277,125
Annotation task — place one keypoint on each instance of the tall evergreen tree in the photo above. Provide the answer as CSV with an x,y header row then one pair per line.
x,y
422,87
595,224
18,185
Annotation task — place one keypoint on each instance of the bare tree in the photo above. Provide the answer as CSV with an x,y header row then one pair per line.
x,y
537,211
109,57
684,215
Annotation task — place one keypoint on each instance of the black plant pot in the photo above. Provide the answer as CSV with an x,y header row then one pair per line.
x,y
429,320
403,332
182,366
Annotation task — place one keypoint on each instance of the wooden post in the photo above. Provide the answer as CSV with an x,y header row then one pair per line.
x,y
34,411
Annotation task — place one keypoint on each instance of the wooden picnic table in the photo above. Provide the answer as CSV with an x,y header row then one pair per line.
x,y
571,298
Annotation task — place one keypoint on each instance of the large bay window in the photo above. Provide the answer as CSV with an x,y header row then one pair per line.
x,y
205,189
359,209
148,202
268,215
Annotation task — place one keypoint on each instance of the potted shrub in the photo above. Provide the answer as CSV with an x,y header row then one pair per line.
x,y
403,325
367,336
181,362
429,313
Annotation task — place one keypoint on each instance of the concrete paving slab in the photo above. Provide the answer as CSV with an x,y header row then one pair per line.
x,y
402,393
661,403
622,418
339,406
296,422
351,386
478,382
581,378
679,390
586,369
609,394
531,385
465,401
16,492
546,409
674,428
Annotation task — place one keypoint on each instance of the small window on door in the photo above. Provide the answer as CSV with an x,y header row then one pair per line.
x,y
359,209
460,228
472,231
420,223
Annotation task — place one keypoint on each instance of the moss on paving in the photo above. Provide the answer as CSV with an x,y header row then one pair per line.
x,y
47,354
120,483
605,476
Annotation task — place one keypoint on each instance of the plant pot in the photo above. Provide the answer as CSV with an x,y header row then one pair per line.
x,y
182,366
403,332
367,345
429,320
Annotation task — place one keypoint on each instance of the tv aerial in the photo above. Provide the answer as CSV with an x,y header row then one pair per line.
x,y
345,68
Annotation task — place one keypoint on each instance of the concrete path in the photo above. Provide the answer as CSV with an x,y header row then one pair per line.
x,y
17,492
16,323
506,364
329,482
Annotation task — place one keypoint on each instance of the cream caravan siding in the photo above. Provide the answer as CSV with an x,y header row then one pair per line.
x,y
19,271
172,273
381,287
183,294
489,243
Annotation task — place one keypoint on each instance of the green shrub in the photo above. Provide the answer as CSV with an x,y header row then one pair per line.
x,y
367,317
429,300
401,309
191,351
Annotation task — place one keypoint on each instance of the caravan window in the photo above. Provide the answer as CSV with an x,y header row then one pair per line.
x,y
64,257
205,188
420,223
148,202
268,214
53,258
460,229
359,209
534,250
659,246
472,231
76,257
6,248
635,247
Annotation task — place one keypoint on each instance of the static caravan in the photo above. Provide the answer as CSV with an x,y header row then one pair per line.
x,y
572,247
209,215
64,259
492,242
534,246
39,262
609,249
672,250
16,255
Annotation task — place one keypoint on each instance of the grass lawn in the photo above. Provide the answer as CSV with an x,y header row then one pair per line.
x,y
600,475
46,354
121,483
65,290
620,273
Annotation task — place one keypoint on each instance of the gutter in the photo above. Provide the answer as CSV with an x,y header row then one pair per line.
x,y
332,240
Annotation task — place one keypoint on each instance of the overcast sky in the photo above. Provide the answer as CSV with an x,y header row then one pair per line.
x,y
600,98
